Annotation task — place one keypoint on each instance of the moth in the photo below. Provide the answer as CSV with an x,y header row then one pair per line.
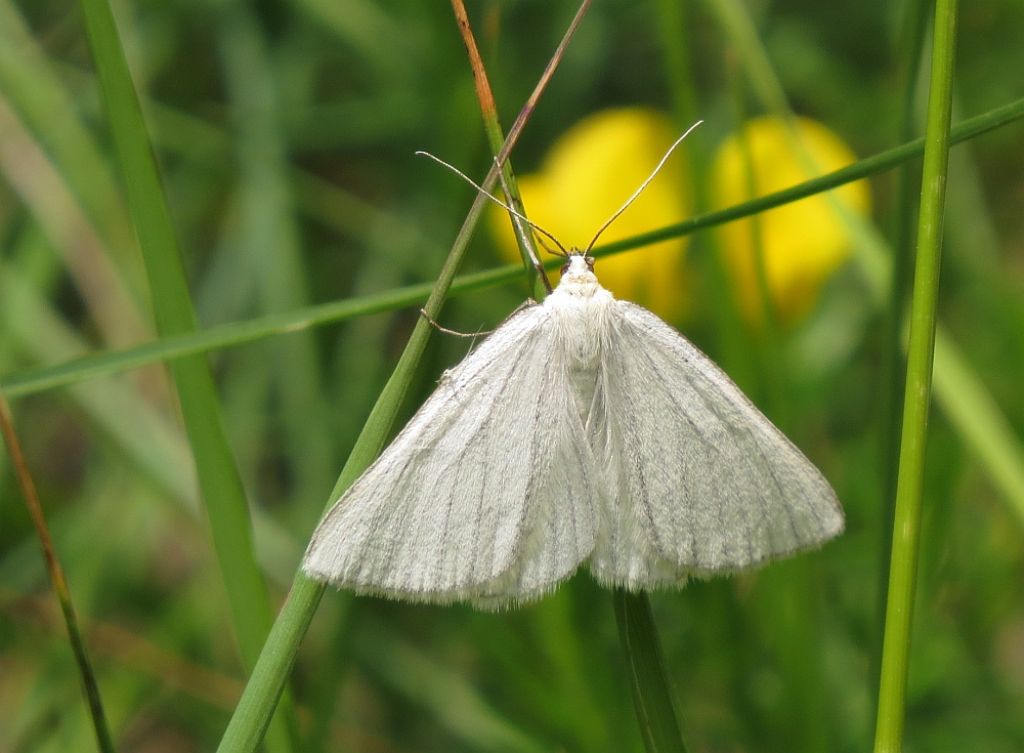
x,y
583,431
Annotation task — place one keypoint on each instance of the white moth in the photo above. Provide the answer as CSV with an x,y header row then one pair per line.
x,y
583,430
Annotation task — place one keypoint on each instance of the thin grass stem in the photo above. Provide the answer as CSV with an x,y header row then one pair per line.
x,y
249,721
58,580
652,694
169,347
892,367
917,398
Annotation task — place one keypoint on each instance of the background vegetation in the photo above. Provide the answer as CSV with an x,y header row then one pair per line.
x,y
285,134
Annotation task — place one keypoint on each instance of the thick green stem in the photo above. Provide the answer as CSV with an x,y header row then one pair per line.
x,y
653,695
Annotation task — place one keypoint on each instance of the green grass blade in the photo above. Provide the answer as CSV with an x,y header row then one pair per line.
x,y
219,479
970,408
878,163
270,235
171,347
214,338
677,32
149,441
920,355
458,705
117,410
653,695
32,86
254,710
249,722
789,602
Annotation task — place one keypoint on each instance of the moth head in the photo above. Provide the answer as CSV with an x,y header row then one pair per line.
x,y
577,263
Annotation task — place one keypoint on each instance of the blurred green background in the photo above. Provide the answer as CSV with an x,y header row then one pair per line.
x,y
285,133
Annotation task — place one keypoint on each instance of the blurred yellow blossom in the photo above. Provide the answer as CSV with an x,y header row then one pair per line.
x,y
588,173
805,242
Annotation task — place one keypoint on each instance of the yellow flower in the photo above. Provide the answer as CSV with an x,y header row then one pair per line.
x,y
588,173
803,243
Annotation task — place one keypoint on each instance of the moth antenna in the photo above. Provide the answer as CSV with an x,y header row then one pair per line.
x,y
553,252
495,199
640,190
526,242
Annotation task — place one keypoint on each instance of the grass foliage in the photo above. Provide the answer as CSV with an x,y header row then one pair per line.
x,y
194,345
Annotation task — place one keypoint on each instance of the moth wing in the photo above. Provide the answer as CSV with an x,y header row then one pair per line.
x,y
702,482
485,495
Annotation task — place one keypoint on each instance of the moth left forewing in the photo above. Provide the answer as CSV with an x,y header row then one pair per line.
x,y
448,512
705,483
